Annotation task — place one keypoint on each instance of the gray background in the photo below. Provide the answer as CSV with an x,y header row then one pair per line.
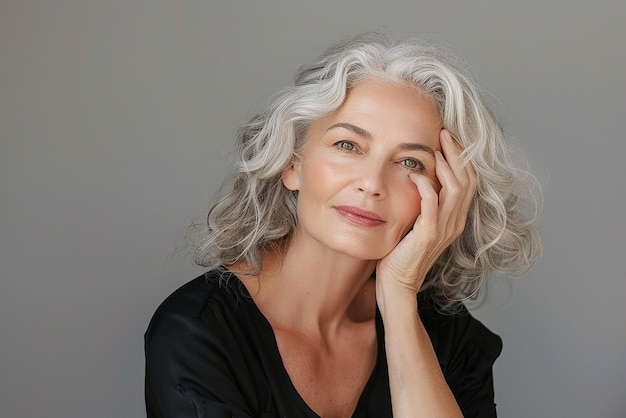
x,y
116,119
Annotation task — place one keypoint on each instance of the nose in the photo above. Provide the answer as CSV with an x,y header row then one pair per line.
x,y
371,179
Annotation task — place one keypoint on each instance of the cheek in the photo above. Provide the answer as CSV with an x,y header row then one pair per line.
x,y
327,176
319,183
408,206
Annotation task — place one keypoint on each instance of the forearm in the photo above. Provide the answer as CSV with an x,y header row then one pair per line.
x,y
418,387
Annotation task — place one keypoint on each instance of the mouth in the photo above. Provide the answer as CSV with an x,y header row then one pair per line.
x,y
359,216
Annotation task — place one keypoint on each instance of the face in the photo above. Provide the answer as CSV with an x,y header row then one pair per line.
x,y
355,195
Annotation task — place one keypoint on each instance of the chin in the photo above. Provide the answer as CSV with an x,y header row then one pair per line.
x,y
365,251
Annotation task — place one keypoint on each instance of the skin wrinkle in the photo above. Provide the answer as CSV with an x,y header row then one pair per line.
x,y
409,146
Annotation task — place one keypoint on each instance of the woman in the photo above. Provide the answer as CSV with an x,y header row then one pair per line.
x,y
370,199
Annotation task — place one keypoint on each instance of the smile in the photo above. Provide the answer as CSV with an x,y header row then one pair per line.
x,y
359,216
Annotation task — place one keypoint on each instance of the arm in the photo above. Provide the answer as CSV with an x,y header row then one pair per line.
x,y
418,387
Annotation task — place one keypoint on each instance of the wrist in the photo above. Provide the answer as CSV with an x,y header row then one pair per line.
x,y
396,300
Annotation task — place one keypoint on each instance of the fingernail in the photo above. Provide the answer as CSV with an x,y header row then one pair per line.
x,y
448,137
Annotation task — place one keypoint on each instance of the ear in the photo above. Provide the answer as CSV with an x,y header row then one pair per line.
x,y
292,175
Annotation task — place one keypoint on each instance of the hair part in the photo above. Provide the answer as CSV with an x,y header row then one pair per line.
x,y
259,213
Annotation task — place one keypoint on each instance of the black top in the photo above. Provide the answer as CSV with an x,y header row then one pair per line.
x,y
210,352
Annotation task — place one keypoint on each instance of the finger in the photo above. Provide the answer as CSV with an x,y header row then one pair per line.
x,y
452,152
454,199
451,193
472,186
466,174
429,205
463,171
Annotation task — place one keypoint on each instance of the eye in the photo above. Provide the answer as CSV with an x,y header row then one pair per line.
x,y
346,146
412,164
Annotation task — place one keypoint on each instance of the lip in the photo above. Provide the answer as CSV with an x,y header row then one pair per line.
x,y
359,216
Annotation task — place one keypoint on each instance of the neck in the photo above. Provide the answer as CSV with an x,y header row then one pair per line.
x,y
313,290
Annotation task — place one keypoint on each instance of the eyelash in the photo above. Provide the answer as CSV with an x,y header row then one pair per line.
x,y
419,167
341,146
347,146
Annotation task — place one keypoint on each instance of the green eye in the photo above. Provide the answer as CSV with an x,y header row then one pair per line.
x,y
346,146
412,164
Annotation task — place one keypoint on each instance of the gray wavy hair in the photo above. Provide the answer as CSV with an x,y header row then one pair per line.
x,y
259,213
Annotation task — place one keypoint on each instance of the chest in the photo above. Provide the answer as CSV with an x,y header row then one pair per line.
x,y
330,375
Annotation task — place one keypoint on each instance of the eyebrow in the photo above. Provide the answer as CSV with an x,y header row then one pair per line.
x,y
356,129
409,146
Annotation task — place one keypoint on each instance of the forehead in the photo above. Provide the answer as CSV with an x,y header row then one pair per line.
x,y
373,92
388,109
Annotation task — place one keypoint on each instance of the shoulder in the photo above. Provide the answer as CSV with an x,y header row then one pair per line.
x,y
197,307
466,350
454,331
190,350
192,297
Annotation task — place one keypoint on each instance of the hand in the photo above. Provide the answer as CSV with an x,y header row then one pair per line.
x,y
442,219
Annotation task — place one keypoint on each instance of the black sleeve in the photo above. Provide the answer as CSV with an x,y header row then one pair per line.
x,y
466,350
471,368
187,372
